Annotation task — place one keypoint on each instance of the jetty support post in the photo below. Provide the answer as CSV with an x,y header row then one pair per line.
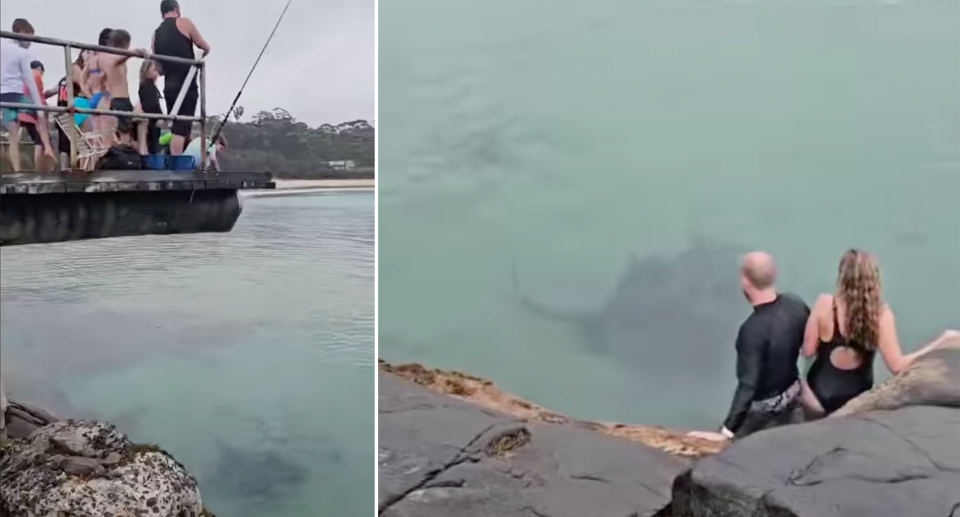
x,y
73,133
202,68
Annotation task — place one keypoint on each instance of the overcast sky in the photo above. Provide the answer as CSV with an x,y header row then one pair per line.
x,y
319,66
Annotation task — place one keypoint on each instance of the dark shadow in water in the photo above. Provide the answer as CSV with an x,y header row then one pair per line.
x,y
672,318
47,348
265,461
255,476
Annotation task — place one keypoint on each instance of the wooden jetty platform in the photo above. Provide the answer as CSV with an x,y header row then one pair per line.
x,y
55,207
41,207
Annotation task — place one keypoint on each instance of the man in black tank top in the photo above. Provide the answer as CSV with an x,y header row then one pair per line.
x,y
176,36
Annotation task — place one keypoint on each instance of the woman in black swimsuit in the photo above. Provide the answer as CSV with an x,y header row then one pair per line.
x,y
844,333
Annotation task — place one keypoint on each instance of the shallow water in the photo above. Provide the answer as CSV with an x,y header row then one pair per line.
x,y
248,355
562,137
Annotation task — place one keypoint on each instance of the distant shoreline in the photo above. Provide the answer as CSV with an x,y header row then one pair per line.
x,y
283,184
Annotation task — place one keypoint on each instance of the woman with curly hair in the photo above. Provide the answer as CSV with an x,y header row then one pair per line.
x,y
844,333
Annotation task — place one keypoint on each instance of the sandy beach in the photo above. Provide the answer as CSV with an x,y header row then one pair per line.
x,y
325,184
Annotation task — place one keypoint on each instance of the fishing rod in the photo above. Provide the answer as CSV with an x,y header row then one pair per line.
x,y
244,85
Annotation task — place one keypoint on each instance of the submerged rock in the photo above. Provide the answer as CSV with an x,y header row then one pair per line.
x,y
86,468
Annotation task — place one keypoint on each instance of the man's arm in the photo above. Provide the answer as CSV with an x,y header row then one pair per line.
x,y
194,34
114,59
749,356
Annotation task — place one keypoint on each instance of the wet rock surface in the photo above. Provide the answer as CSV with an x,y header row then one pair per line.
x,y
484,393
894,451
22,420
87,468
454,444
441,456
880,464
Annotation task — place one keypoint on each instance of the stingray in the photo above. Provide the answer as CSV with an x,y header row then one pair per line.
x,y
258,474
669,315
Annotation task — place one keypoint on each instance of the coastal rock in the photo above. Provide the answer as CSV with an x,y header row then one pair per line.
x,y
932,380
441,456
463,386
87,468
891,452
22,420
880,464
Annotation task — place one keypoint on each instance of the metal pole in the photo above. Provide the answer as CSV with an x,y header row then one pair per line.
x,y
71,131
96,48
191,76
113,113
203,116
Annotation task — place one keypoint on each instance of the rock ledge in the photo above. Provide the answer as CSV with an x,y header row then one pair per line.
x,y
86,468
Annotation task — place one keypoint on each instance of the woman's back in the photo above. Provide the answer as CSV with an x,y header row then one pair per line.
x,y
843,367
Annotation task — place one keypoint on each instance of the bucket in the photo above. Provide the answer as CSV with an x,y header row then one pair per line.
x,y
154,162
181,163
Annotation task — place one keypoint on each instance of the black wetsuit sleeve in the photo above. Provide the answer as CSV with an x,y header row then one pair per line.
x,y
150,98
749,364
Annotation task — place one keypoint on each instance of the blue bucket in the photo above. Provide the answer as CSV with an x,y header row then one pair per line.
x,y
181,163
154,162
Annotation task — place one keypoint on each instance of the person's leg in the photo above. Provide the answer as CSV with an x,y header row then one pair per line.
x,y
790,415
124,123
810,403
753,422
153,137
63,147
8,117
44,130
108,124
142,137
181,129
13,136
39,157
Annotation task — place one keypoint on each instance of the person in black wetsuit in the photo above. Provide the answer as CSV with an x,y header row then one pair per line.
x,y
149,131
768,345
844,332
176,36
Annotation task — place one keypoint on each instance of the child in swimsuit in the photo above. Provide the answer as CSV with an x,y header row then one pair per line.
x,y
92,82
115,81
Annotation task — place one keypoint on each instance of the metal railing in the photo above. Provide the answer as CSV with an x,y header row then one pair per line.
x,y
73,130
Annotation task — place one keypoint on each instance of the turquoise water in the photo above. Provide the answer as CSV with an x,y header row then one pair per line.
x,y
564,136
248,355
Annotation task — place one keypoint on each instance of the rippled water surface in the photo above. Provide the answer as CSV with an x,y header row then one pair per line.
x,y
249,355
558,138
